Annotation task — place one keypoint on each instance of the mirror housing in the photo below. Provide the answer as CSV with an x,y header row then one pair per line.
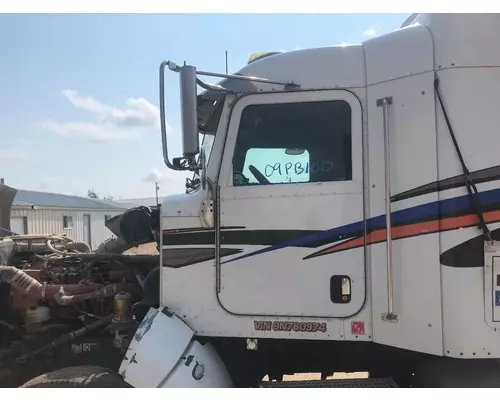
x,y
188,85
189,118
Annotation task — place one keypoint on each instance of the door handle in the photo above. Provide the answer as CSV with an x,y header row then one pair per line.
x,y
346,286
340,289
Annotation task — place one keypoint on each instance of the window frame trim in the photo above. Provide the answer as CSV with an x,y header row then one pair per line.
x,y
355,185
66,217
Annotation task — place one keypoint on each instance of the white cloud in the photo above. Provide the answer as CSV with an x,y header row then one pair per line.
x,y
153,176
370,32
109,123
13,154
47,183
169,181
90,131
21,142
139,112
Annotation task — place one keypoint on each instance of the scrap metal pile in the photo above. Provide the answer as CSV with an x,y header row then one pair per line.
x,y
61,303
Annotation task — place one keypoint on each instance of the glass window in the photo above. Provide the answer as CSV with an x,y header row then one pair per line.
x,y
293,143
67,222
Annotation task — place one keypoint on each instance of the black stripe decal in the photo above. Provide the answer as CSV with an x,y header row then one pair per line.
x,y
468,254
481,176
178,258
426,212
198,229
239,237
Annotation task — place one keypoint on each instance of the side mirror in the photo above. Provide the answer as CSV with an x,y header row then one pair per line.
x,y
190,138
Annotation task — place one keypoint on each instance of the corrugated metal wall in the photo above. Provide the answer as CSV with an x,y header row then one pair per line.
x,y
50,221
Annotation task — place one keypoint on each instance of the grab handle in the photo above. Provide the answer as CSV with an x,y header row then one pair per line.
x,y
390,316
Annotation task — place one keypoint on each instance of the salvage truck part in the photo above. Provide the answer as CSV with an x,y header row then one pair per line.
x,y
343,216
61,304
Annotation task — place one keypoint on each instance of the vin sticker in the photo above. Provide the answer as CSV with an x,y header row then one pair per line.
x,y
289,326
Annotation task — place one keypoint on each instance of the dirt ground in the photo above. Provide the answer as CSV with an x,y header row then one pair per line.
x,y
151,249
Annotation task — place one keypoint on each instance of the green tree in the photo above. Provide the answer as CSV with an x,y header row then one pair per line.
x,y
92,194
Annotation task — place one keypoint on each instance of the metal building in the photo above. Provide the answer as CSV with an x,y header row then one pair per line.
x,y
79,218
150,202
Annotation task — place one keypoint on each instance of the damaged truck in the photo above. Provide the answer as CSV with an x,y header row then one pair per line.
x,y
63,305
343,216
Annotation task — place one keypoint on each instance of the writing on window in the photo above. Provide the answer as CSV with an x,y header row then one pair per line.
x,y
277,165
293,143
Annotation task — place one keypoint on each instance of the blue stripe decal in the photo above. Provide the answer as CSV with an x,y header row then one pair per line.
x,y
430,211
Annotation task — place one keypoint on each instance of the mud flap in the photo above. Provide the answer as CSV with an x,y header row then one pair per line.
x,y
163,353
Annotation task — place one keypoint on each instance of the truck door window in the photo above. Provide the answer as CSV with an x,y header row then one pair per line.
x,y
292,143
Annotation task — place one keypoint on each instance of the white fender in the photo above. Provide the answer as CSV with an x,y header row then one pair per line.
x,y
163,353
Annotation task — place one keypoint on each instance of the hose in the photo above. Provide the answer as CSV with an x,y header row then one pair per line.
x,y
107,291
52,248
31,287
82,247
20,281
42,245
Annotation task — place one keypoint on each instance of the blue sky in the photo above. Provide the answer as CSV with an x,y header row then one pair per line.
x,y
79,93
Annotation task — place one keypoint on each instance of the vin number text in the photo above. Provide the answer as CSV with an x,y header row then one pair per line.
x,y
287,326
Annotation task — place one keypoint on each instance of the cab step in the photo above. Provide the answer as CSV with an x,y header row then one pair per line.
x,y
334,383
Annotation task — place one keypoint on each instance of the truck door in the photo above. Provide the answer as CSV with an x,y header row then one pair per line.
x,y
291,206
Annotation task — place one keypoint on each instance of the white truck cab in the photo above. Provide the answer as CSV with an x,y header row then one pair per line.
x,y
307,158
342,216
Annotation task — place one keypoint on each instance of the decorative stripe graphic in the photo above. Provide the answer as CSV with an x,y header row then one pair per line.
x,y
234,237
423,219
435,212
468,254
401,232
481,176
178,258
198,229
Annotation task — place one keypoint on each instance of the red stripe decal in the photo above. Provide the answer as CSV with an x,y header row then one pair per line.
x,y
405,231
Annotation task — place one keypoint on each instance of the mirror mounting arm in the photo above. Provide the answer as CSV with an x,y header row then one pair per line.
x,y
188,83
189,117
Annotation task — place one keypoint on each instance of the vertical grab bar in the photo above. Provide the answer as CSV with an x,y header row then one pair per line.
x,y
390,316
